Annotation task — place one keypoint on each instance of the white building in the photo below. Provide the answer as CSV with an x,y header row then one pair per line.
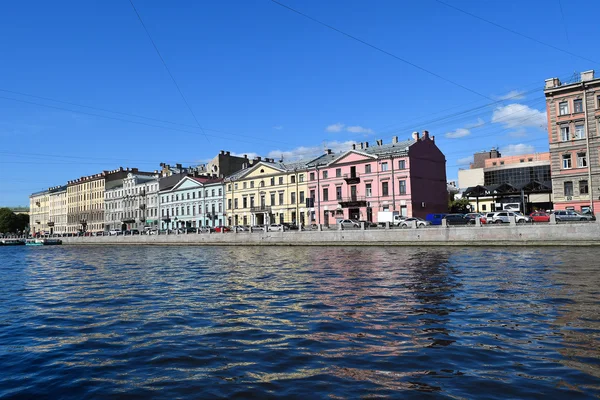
x,y
57,212
132,205
193,202
39,213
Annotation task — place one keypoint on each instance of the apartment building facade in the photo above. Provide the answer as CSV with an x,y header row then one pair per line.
x,y
267,192
193,202
39,213
404,176
573,111
57,213
133,204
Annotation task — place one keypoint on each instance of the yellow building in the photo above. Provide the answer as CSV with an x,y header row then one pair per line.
x,y
267,192
39,208
85,198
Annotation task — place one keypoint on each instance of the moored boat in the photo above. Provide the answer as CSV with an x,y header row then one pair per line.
x,y
12,242
43,242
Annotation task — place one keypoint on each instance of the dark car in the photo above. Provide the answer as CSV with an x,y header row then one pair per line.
x,y
458,219
435,219
291,227
369,224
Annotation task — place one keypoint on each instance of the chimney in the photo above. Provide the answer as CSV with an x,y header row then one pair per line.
x,y
415,136
394,139
178,166
353,146
222,152
258,158
433,139
246,156
327,151
227,153
425,135
587,75
379,142
552,83
134,170
366,145
362,145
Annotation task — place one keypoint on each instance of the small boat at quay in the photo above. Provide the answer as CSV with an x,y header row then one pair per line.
x,y
12,242
43,242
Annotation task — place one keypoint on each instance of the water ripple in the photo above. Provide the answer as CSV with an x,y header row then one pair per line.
x,y
204,322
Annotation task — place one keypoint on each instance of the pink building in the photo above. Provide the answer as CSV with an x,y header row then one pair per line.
x,y
407,176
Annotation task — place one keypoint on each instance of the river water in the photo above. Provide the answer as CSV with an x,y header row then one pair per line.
x,y
301,322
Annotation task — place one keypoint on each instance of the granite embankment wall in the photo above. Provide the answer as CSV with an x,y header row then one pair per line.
x,y
579,234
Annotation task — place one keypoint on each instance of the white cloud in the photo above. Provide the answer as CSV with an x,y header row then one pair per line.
x,y
460,132
358,129
512,95
465,160
520,132
476,124
278,127
311,151
335,127
519,116
516,149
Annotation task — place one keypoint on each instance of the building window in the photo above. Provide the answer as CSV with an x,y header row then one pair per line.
x,y
338,192
312,194
579,132
229,187
281,180
368,190
235,186
566,161
293,197
563,108
568,188
578,105
522,160
235,203
272,199
583,187
338,172
281,198
530,159
261,184
384,189
228,205
384,166
402,186
244,202
292,179
501,162
581,160
311,176
273,181
401,164
301,178
193,195
251,185
325,174
325,194
483,207
244,185
564,133
494,163
188,210
220,191
301,200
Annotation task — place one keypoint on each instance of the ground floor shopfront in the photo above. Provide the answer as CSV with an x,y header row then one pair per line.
x,y
269,215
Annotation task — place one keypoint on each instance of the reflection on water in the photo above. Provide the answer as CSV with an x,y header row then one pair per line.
x,y
302,322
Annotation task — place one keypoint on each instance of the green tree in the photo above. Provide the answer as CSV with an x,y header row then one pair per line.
x,y
461,205
8,221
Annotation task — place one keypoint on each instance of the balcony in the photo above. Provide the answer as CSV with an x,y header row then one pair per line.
x,y
352,179
261,209
353,201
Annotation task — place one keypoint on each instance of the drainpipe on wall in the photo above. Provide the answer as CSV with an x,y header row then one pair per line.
x,y
318,195
393,185
587,154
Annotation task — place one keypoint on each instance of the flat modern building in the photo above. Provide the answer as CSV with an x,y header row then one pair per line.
x,y
521,182
405,176
573,110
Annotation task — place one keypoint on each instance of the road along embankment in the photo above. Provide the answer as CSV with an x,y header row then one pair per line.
x,y
575,234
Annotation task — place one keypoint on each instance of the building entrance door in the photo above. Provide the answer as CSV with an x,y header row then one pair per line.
x,y
354,213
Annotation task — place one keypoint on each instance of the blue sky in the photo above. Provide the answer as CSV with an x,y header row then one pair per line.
x,y
262,79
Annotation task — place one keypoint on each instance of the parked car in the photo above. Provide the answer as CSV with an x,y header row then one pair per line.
x,y
421,223
504,217
187,230
368,224
539,216
570,215
220,229
473,217
435,219
277,228
241,228
115,232
349,223
291,227
457,219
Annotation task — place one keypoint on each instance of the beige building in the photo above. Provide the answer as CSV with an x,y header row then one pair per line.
x,y
267,192
57,221
85,198
39,213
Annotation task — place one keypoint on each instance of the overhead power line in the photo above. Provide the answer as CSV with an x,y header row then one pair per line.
x,y
515,32
168,70
404,60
